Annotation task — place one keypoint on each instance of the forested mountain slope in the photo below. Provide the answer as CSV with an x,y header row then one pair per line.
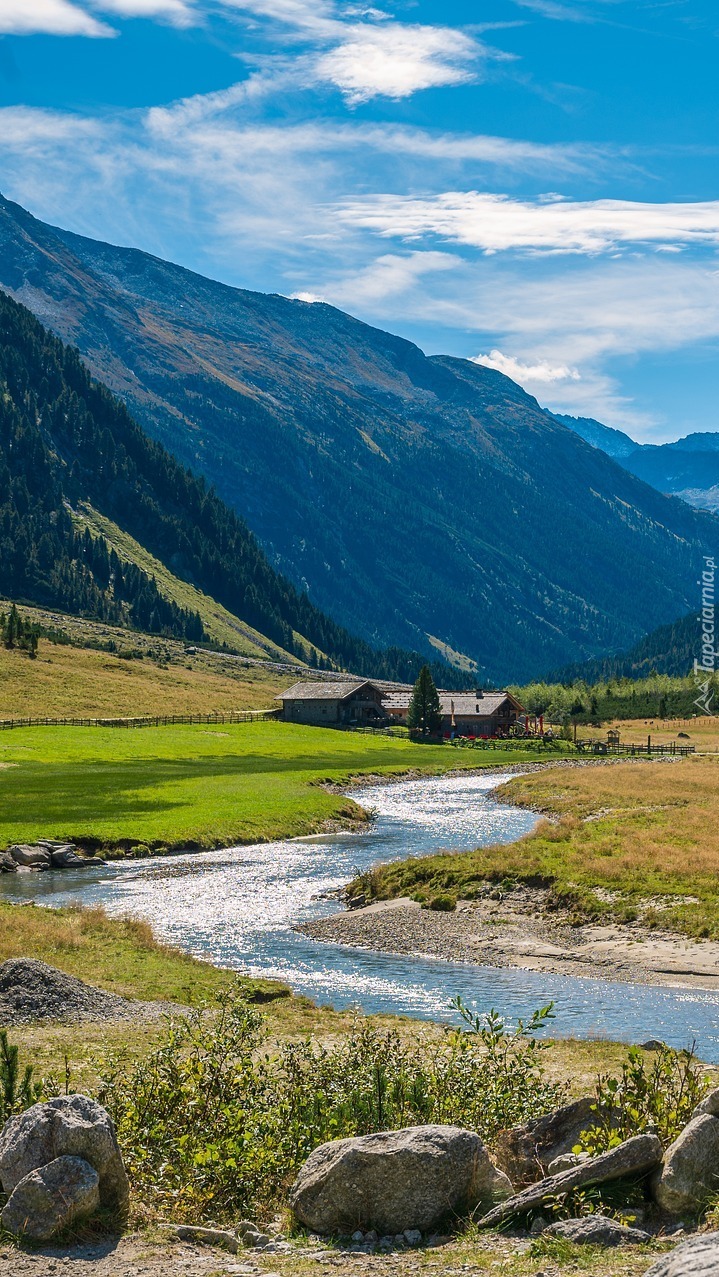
x,y
670,649
413,496
66,441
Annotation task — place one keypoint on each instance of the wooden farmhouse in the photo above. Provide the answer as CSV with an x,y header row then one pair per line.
x,y
357,703
474,713
361,703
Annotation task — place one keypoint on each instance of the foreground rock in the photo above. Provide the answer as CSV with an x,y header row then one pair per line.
x,y
525,1153
46,854
395,1180
690,1174
635,1156
698,1257
597,1230
69,1126
47,1200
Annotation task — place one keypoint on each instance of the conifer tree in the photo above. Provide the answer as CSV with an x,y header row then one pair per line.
x,y
425,710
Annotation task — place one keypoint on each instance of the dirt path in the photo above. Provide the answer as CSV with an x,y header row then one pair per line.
x,y
514,931
137,1255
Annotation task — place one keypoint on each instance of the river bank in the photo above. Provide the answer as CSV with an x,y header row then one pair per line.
x,y
515,931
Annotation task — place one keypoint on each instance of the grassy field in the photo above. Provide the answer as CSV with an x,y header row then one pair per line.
x,y
702,731
77,682
195,786
645,834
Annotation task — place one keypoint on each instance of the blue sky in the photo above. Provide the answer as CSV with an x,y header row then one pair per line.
x,y
532,183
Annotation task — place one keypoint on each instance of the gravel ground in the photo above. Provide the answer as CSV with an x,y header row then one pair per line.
x,y
137,1256
31,991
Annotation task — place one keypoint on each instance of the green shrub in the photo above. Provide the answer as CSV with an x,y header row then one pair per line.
x,y
442,903
657,1091
215,1124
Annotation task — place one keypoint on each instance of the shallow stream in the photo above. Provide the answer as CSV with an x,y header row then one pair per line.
x,y
238,907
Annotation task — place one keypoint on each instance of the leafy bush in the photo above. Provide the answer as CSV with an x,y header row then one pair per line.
x,y
214,1124
656,1092
442,903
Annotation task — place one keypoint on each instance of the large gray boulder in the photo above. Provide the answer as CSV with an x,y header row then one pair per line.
x,y
7,864
48,1199
72,1125
31,857
635,1156
524,1153
690,1173
710,1105
395,1180
596,1230
698,1257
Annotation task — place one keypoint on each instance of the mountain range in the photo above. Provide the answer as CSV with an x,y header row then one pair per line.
x,y
97,519
420,501
687,468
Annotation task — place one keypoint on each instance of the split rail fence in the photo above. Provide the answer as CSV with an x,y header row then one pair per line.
x,y
148,720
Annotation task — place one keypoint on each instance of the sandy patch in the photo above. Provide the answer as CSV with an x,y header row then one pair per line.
x,y
514,932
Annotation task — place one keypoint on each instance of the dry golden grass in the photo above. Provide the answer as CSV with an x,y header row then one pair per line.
x,y
702,731
74,682
648,832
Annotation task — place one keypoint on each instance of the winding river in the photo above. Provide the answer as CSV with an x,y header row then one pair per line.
x,y
238,907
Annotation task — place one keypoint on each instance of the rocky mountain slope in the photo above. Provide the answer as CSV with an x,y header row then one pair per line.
x,y
687,468
421,500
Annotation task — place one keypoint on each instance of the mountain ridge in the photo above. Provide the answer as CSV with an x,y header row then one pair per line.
x,y
412,495
69,448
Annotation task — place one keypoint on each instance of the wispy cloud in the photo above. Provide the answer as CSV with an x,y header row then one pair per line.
x,y
178,13
48,17
496,223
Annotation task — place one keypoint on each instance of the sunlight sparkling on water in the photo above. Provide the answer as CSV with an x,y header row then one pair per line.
x,y
238,907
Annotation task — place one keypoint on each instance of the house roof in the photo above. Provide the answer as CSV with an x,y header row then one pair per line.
x,y
465,703
323,691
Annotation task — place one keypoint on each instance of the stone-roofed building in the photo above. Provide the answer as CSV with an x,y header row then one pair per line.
x,y
476,713
357,703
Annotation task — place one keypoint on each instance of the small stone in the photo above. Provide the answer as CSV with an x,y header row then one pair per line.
x,y
371,1238
358,1236
386,1243
206,1236
538,1226
597,1230
413,1237
566,1162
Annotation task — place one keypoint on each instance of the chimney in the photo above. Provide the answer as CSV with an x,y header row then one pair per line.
x,y
478,693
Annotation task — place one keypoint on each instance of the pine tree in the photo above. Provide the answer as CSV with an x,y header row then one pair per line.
x,y
425,710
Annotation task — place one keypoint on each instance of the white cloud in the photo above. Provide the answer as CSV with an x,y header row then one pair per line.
x,y
48,17
176,12
396,59
540,374
495,223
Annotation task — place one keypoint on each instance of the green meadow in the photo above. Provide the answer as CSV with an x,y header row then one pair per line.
x,y
196,786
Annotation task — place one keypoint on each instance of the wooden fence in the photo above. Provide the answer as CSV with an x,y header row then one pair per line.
x,y
148,720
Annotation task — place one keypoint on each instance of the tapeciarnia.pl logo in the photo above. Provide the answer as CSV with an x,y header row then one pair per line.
x,y
705,667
